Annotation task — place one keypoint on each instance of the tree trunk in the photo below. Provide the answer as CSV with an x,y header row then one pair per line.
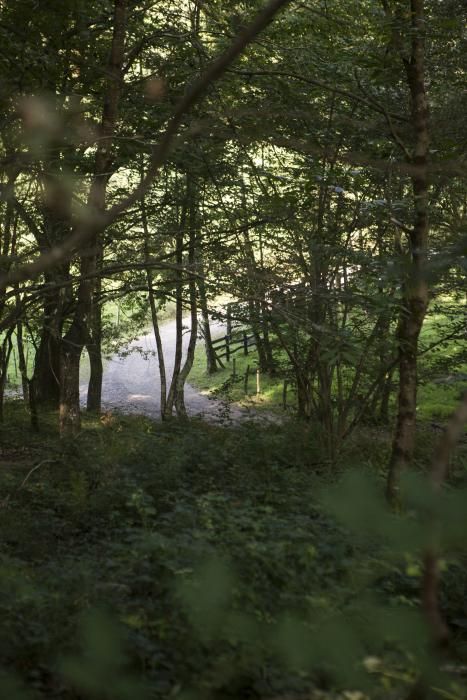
x,y
170,403
269,357
255,322
190,354
70,416
211,361
153,307
169,406
22,361
415,290
81,328
47,359
94,397
160,349
385,398
94,348
5,352
303,397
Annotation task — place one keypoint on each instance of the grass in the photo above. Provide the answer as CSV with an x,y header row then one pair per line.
x,y
443,372
271,388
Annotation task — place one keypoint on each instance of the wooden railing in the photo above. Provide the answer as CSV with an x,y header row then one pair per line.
x,y
232,343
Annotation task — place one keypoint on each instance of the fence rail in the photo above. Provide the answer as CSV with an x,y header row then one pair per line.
x,y
232,343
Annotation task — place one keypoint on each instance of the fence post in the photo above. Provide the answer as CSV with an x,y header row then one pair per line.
x,y
227,348
284,394
234,368
229,319
245,343
258,381
247,376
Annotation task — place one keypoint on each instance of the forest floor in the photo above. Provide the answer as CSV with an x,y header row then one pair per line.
x,y
187,560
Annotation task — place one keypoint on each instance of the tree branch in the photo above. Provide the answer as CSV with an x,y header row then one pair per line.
x,y
93,222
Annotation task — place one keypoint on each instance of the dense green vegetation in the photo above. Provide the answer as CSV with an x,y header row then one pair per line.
x,y
443,371
286,172
199,561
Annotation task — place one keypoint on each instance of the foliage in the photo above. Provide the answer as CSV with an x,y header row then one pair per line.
x,y
196,561
443,370
321,186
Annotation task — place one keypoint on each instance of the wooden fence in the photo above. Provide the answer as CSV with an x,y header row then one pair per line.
x,y
232,343
226,348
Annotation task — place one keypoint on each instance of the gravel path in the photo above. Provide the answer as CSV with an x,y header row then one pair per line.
x,y
131,379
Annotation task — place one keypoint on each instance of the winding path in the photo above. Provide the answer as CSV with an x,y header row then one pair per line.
x,y
131,379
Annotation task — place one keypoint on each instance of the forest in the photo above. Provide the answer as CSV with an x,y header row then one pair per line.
x,y
233,349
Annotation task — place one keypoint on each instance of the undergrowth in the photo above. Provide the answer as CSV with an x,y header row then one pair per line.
x,y
144,560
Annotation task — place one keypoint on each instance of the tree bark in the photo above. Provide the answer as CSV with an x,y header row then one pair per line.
x,y
211,360
190,354
71,349
94,348
80,332
153,307
5,352
269,356
171,395
159,347
415,288
47,360
431,574
22,361
304,409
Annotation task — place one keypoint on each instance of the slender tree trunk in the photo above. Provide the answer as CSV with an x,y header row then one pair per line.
x,y
94,397
190,354
415,293
178,308
153,307
5,352
47,359
169,406
94,348
159,347
269,357
379,406
211,361
79,334
255,317
22,361
256,328
303,397
385,398
56,210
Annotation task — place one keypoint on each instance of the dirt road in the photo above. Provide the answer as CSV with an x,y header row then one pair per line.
x,y
131,379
